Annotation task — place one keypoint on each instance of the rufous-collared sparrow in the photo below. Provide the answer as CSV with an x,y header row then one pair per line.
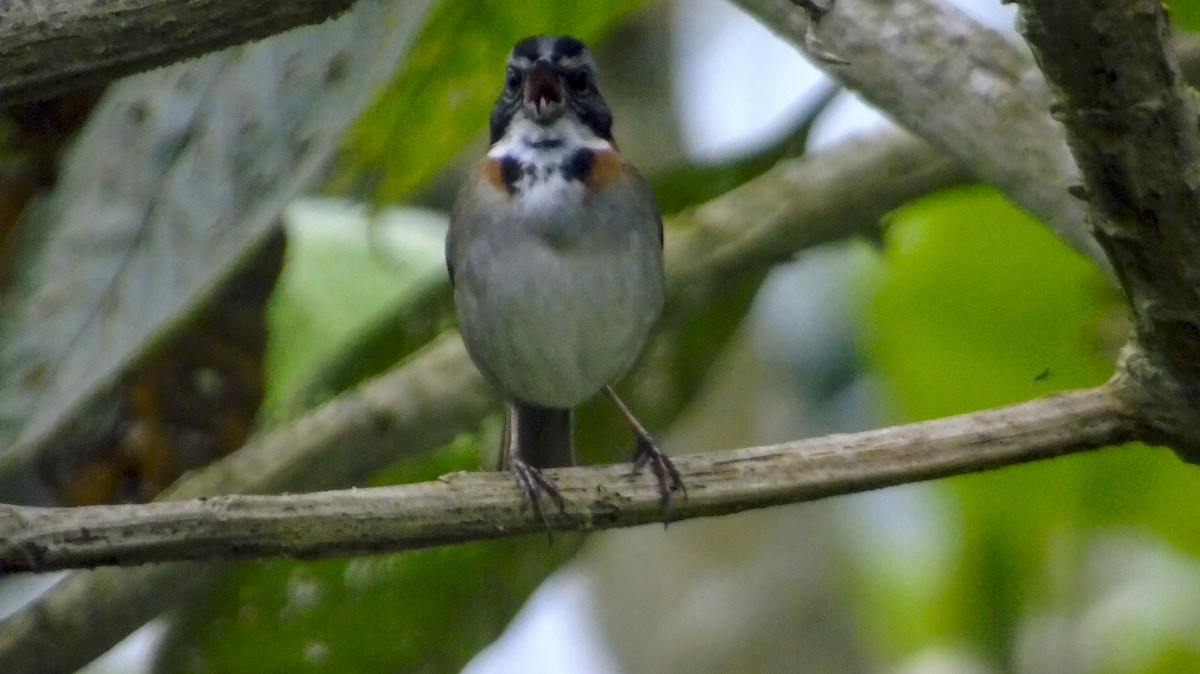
x,y
555,254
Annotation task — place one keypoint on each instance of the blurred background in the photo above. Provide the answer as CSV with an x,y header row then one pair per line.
x,y
1085,564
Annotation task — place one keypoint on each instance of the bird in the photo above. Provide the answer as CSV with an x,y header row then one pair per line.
x,y
555,254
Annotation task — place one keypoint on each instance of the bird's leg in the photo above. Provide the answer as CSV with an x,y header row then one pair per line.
x,y
533,484
648,453
528,477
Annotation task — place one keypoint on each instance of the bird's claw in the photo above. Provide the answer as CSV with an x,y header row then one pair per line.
x,y
669,479
533,484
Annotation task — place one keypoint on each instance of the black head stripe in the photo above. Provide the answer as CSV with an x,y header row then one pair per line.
x,y
553,48
565,46
527,48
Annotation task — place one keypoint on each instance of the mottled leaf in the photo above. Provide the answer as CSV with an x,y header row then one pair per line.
x,y
178,174
349,276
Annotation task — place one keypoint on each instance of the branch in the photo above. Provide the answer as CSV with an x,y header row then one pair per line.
x,y
49,46
827,196
1132,126
956,84
420,406
472,506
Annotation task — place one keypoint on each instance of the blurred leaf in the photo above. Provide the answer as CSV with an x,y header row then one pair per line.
x,y
419,611
978,306
686,186
378,345
1176,659
981,306
178,175
442,98
345,274
1185,13
190,400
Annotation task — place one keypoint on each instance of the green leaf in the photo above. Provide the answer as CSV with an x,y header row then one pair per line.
x,y
977,306
344,272
441,99
178,175
1185,13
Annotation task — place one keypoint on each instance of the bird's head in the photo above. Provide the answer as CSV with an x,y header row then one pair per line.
x,y
548,77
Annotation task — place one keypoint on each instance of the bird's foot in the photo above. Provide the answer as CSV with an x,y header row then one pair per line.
x,y
648,454
533,484
669,480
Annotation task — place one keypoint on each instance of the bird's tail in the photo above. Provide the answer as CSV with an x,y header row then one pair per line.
x,y
539,436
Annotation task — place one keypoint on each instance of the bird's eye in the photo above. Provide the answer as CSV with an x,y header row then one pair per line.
x,y
579,80
512,79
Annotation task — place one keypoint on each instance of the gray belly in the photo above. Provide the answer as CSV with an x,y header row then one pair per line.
x,y
552,325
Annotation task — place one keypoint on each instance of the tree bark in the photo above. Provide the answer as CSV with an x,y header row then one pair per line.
x,y
1131,124
49,46
961,87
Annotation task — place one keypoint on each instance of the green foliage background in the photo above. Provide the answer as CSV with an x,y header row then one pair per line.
x,y
976,305
971,305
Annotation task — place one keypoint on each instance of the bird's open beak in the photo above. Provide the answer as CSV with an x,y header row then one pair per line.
x,y
545,95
